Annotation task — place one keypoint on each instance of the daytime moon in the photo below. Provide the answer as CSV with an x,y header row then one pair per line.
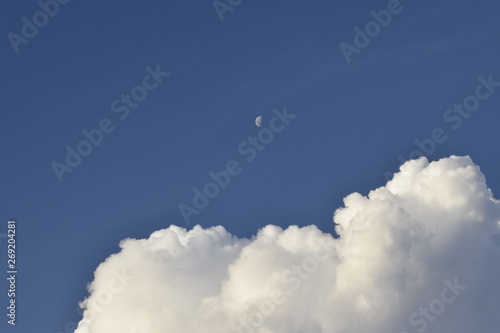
x,y
258,121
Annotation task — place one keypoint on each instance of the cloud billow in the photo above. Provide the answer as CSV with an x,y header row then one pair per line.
x,y
420,254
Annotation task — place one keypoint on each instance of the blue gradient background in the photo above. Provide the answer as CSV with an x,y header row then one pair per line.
x,y
353,121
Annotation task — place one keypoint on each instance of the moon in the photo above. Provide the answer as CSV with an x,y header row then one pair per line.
x,y
258,121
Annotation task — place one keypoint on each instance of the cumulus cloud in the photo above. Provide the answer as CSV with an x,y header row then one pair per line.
x,y
421,254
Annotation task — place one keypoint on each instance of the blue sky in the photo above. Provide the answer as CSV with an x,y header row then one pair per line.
x,y
352,120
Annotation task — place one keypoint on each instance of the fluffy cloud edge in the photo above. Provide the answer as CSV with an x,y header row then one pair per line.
x,y
402,248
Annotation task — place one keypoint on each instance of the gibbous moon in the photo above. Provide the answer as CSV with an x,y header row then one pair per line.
x,y
258,121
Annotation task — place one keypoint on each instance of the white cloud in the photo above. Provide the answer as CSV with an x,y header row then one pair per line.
x,y
419,254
